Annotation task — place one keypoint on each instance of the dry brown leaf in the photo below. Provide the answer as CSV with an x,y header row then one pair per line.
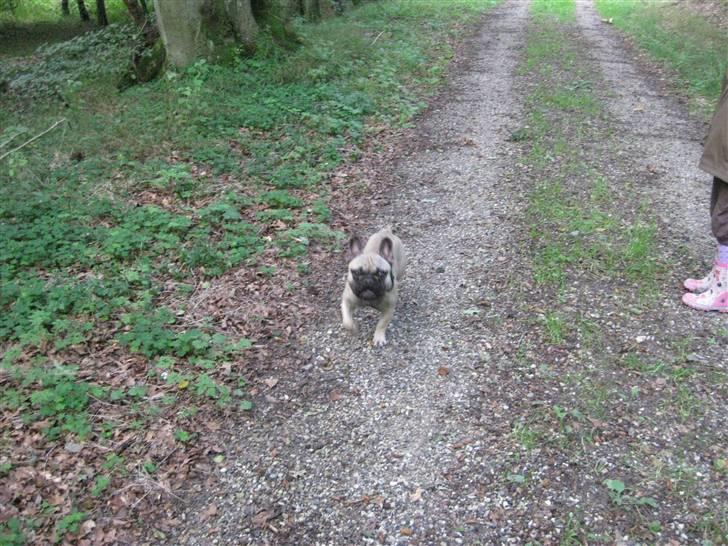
x,y
261,518
271,382
462,443
208,512
87,526
443,371
406,531
416,495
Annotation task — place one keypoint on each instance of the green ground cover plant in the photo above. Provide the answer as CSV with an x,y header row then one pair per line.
x,y
686,42
110,221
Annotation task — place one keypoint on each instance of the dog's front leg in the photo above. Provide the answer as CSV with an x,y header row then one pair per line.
x,y
380,333
347,315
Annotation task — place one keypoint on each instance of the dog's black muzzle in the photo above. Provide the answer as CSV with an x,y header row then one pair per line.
x,y
369,292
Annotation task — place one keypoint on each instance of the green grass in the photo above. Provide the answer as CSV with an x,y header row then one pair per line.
x,y
579,229
48,12
561,10
139,198
685,41
37,22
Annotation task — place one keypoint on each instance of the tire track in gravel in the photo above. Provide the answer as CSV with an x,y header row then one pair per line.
x,y
373,465
659,135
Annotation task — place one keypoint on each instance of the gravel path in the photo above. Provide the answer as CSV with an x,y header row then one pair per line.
x,y
418,442
371,463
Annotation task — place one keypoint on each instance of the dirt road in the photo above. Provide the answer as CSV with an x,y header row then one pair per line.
x,y
466,428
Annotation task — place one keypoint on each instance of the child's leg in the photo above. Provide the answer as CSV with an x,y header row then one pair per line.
x,y
719,217
719,224
715,294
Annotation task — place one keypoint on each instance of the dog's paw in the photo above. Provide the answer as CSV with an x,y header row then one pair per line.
x,y
380,339
350,327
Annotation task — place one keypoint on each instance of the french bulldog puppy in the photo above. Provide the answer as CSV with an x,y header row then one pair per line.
x,y
375,271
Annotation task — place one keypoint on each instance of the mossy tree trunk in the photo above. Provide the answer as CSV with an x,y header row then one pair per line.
x,y
192,29
148,61
138,11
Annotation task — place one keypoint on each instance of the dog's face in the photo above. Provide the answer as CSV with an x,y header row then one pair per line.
x,y
370,273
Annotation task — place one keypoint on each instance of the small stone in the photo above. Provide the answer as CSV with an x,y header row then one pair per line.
x,y
72,447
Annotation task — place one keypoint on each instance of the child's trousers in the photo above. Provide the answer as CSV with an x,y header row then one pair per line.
x,y
719,210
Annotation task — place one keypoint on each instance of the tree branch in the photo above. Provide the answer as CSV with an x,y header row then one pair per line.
x,y
36,137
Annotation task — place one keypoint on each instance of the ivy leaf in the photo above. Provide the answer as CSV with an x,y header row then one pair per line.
x,y
615,485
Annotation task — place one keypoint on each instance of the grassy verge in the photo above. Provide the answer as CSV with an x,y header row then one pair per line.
x,y
580,225
114,225
595,283
686,42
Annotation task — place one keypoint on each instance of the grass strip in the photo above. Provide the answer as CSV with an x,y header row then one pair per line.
x,y
686,42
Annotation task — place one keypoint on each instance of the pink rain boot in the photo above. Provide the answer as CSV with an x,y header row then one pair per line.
x,y
715,295
699,285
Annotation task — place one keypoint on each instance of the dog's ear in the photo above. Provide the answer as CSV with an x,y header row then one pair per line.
x,y
386,249
356,245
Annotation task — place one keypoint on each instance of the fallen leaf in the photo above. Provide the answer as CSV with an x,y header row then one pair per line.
x,y
416,495
208,512
334,396
72,447
406,531
261,518
271,382
443,371
87,526
462,443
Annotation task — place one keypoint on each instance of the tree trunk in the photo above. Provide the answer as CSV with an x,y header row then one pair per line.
x,y
64,7
192,29
101,17
139,15
82,11
311,10
340,6
240,13
136,11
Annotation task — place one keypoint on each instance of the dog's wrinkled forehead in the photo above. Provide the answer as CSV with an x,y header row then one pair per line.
x,y
369,263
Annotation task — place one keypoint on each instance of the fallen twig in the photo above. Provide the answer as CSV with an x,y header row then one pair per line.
x,y
8,141
36,137
375,39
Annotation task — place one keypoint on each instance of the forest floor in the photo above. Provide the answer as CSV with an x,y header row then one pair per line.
x,y
543,382
172,364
